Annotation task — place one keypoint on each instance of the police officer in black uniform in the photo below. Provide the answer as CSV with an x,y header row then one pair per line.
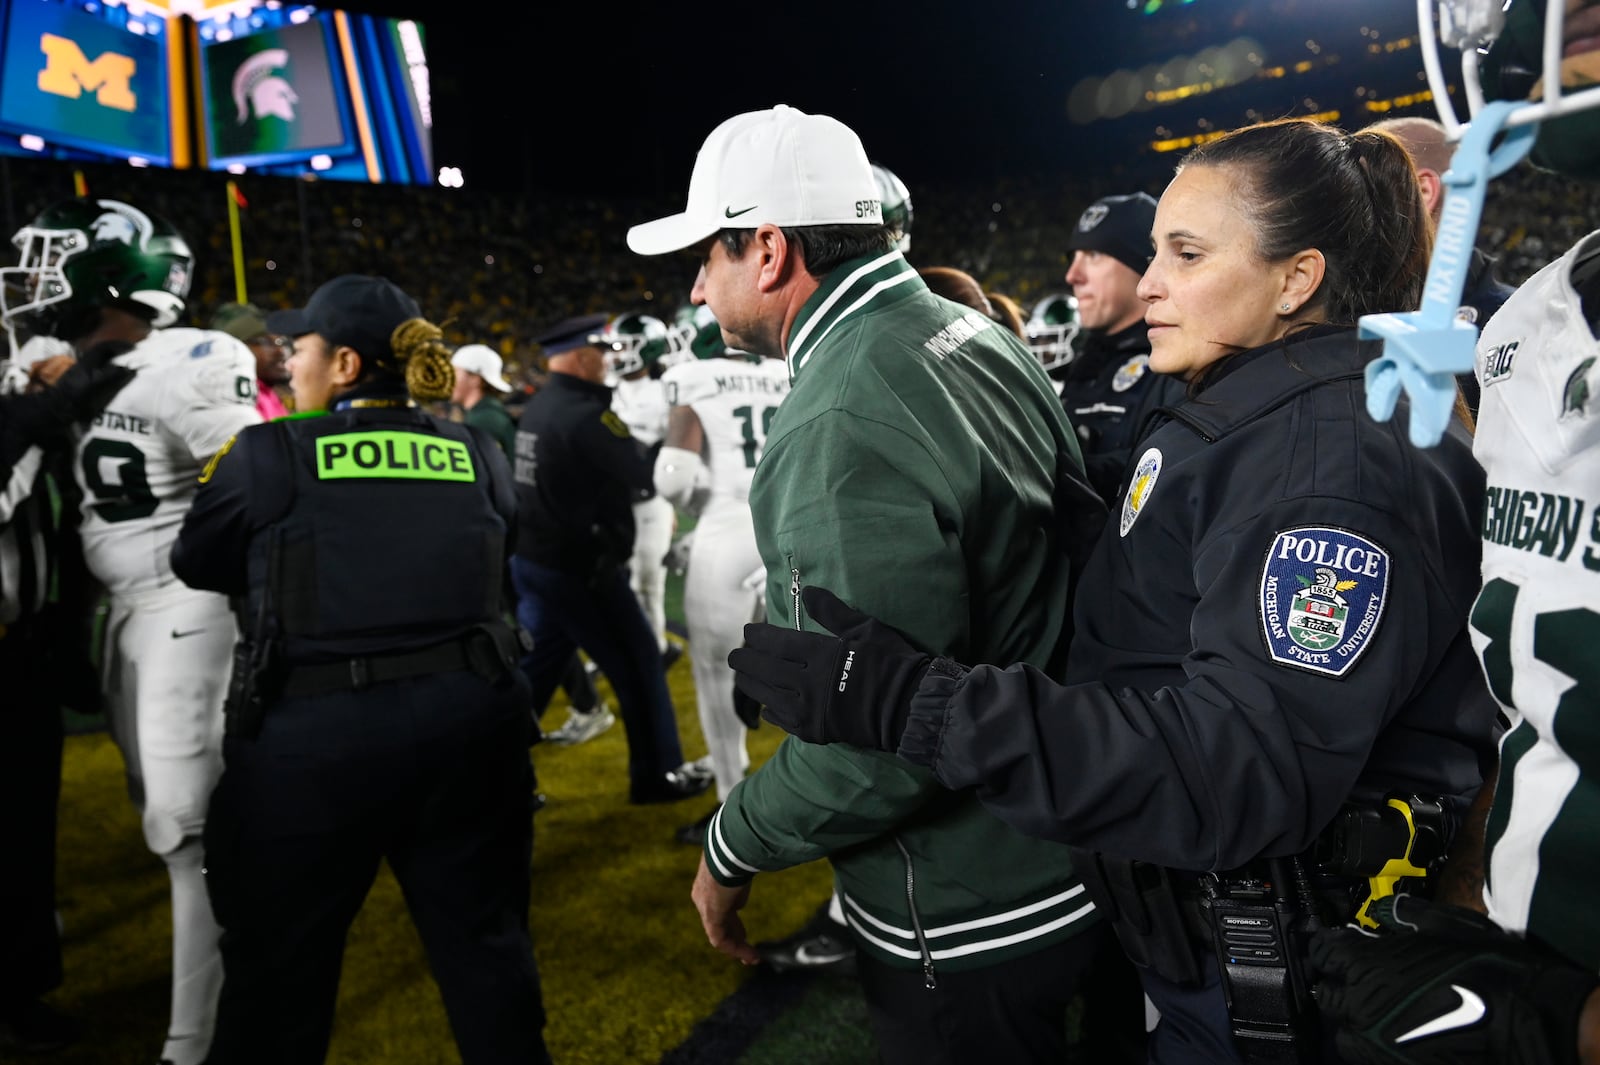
x,y
1109,389
578,472
376,711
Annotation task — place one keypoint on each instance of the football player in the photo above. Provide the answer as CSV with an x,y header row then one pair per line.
x,y
99,273
1053,330
639,348
1506,972
721,405
896,202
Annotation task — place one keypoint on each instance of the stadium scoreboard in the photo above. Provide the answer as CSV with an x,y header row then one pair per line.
x,y
289,90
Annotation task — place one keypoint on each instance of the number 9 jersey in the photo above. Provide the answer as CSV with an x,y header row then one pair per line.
x,y
1536,622
138,464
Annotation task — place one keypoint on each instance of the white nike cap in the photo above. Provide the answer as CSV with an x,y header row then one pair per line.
x,y
781,166
481,360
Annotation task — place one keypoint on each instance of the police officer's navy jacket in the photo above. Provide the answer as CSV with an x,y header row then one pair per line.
x,y
921,468
1108,391
578,473
367,529
1275,620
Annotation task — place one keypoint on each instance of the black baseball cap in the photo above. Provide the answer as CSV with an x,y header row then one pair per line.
x,y
356,310
1120,227
569,334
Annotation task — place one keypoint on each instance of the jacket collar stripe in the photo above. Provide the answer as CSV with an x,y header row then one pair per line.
x,y
820,315
865,298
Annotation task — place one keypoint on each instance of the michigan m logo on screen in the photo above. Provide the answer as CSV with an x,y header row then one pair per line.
x,y
68,72
1322,596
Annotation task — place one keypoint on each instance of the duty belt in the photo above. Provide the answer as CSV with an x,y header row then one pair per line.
x,y
476,652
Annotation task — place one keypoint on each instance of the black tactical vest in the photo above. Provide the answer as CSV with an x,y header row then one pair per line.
x,y
390,543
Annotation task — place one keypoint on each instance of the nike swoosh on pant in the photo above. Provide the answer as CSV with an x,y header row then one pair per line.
x,y
1470,1011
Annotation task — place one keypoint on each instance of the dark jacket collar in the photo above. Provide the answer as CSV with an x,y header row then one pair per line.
x,y
1099,349
385,391
1254,383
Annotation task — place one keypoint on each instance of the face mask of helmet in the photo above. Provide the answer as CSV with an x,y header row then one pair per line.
x,y
635,342
1505,51
80,256
1053,329
896,201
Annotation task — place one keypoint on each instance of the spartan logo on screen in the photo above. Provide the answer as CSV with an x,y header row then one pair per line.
x,y
272,93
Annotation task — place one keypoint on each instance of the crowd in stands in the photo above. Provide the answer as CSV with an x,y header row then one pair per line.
x,y
497,269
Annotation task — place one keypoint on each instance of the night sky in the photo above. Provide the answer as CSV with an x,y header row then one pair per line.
x,y
616,98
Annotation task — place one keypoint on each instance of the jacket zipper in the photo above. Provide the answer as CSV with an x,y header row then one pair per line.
x,y
794,589
916,922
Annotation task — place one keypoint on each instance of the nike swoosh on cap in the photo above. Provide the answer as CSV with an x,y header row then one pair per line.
x,y
731,213
1470,1011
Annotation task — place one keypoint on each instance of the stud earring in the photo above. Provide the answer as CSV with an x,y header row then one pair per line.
x,y
1284,308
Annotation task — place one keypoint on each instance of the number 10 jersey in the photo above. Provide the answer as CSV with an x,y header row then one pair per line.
x,y
1536,622
138,463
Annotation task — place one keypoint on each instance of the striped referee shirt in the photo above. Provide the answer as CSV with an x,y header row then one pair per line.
x,y
26,522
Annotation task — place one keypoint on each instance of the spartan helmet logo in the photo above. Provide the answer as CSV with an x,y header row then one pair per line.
x,y
121,223
1326,583
258,92
1092,217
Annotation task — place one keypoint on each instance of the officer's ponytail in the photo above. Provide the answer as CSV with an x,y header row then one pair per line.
x,y
424,357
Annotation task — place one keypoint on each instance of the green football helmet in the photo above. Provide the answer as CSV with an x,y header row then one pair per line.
x,y
700,332
634,342
1053,330
79,256
1502,45
896,200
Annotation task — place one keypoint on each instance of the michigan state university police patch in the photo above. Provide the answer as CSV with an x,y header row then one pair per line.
x,y
1322,596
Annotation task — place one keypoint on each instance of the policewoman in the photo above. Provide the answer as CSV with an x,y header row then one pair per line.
x,y
376,713
1272,625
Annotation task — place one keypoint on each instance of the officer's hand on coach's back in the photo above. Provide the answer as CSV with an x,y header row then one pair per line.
x,y
854,687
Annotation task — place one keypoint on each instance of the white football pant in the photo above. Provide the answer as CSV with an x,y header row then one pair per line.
x,y
717,603
168,655
652,536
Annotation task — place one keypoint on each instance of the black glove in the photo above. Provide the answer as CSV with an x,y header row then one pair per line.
x,y
1439,985
746,709
854,688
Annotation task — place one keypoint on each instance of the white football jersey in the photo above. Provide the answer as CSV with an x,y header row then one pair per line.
x,y
642,406
734,399
1536,622
138,464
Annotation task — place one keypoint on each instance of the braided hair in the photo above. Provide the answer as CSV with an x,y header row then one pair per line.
x,y
424,358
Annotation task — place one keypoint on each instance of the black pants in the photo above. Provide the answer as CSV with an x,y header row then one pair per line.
x,y
30,789
1014,1011
431,774
564,612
